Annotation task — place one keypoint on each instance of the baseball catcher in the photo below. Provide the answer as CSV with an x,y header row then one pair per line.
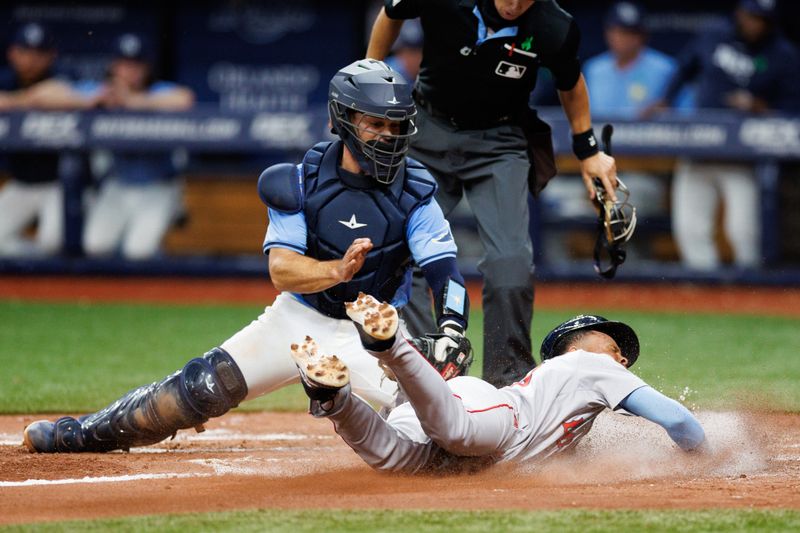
x,y
468,422
350,218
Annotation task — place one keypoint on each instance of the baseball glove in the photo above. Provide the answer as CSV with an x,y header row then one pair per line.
x,y
449,352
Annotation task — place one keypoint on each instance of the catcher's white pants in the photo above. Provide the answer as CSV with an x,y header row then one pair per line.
x,y
132,218
464,417
261,350
696,191
21,204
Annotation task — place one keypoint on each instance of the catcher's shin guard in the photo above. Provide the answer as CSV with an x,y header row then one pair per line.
x,y
206,387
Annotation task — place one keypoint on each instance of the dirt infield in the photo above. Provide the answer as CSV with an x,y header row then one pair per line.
x,y
294,461
673,297
271,460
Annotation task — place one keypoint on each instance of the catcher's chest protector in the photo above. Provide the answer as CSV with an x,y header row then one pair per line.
x,y
341,209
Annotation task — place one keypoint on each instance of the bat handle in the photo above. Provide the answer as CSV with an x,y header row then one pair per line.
x,y
605,137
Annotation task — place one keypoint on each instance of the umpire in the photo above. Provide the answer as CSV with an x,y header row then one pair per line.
x,y
478,137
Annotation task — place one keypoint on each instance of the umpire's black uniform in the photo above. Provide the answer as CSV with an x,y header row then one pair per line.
x,y
472,92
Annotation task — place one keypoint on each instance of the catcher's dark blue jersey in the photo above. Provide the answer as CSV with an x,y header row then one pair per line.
x,y
337,211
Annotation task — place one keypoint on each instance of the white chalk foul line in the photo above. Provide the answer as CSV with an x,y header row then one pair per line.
x,y
228,449
101,479
211,435
226,435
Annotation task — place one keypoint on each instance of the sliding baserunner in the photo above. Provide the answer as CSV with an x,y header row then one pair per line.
x,y
466,420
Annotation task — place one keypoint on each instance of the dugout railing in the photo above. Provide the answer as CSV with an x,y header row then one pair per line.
x,y
770,143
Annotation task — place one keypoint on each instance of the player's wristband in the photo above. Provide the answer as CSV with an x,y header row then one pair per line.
x,y
584,145
452,305
450,326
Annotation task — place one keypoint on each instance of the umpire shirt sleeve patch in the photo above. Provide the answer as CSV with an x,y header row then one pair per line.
x,y
286,230
428,234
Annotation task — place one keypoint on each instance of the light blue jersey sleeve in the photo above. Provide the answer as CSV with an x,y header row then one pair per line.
x,y
87,88
681,425
162,87
286,231
428,234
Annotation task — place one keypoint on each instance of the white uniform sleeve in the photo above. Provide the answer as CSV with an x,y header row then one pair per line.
x,y
286,231
428,234
609,380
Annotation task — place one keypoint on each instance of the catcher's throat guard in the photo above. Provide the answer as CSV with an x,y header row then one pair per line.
x,y
616,221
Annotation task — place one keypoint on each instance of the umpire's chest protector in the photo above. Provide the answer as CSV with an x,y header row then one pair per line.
x,y
339,209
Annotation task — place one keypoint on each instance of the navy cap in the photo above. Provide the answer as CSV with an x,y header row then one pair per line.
x,y
626,15
762,8
34,35
133,46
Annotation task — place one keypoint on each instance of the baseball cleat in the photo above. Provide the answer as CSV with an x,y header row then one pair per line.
x,y
63,435
40,437
377,320
319,373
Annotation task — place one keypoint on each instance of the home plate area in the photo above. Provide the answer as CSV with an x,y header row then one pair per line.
x,y
291,460
229,446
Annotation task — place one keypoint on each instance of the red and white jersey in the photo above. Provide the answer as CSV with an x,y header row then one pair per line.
x,y
557,402
467,419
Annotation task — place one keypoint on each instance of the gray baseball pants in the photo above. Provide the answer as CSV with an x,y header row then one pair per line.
x,y
489,167
462,424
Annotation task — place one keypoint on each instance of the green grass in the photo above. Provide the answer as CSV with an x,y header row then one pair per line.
x,y
79,357
443,521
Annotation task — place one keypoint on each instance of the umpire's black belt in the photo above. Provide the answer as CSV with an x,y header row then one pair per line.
x,y
461,123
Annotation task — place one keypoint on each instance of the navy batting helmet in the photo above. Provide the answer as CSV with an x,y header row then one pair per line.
x,y
622,334
370,87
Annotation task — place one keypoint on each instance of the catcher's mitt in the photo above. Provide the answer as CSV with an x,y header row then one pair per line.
x,y
450,353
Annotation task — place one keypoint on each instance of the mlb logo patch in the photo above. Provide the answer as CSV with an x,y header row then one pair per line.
x,y
510,70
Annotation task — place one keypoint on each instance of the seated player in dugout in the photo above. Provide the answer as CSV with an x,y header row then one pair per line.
x,y
34,192
139,194
467,423
350,218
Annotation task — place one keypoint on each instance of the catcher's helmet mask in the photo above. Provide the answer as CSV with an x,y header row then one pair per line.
x,y
372,88
616,223
622,334
619,218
